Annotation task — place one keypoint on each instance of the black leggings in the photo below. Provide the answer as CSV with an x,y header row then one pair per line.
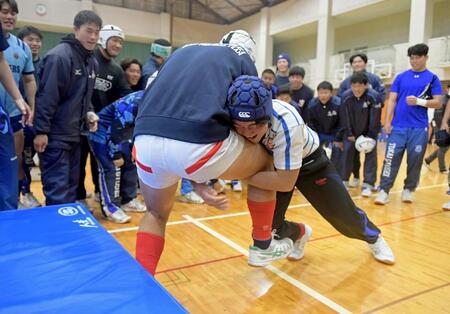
x,y
324,189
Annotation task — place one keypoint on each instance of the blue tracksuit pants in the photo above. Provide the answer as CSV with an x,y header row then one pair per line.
x,y
414,142
117,185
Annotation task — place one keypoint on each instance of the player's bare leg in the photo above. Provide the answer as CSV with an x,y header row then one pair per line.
x,y
150,237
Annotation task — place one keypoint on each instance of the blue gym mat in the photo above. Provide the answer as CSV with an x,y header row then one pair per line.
x,y
59,259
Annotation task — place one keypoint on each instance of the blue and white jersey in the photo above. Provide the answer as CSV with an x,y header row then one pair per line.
x,y
410,83
289,139
20,62
116,124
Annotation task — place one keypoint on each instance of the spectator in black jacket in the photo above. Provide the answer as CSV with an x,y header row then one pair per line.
x,y
110,85
360,114
358,63
324,119
64,109
300,92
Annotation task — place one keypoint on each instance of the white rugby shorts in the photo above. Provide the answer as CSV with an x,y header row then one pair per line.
x,y
161,162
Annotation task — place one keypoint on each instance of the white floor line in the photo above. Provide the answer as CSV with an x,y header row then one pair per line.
x,y
311,292
243,213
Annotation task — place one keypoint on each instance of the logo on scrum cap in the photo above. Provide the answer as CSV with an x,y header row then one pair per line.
x,y
244,114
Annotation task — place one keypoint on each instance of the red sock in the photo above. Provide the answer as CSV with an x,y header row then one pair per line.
x,y
149,248
262,217
302,231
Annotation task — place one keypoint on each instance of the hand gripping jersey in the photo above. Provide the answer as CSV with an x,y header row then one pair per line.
x,y
289,139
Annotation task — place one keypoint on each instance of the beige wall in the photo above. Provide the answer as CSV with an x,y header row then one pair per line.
x,y
342,6
301,50
376,32
293,13
441,19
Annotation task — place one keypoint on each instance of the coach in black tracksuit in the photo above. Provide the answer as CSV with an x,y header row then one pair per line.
x,y
360,115
63,108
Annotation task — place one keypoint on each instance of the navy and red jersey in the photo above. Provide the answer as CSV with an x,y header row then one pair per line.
x,y
187,100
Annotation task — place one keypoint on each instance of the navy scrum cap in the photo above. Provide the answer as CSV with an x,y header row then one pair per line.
x,y
249,99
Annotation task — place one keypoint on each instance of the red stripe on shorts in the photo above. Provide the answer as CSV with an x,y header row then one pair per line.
x,y
204,159
140,165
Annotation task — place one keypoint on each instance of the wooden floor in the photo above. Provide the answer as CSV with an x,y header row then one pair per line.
x,y
204,264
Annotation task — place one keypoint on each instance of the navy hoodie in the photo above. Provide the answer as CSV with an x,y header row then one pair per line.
x,y
187,100
65,91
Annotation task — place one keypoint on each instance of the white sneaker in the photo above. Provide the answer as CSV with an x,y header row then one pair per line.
x,y
407,196
278,249
366,191
134,206
20,205
382,252
299,246
236,185
97,197
382,198
191,197
30,201
446,206
119,217
354,183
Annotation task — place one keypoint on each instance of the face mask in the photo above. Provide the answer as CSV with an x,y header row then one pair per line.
x,y
159,50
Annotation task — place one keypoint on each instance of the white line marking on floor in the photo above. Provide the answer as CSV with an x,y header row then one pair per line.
x,y
243,213
311,292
